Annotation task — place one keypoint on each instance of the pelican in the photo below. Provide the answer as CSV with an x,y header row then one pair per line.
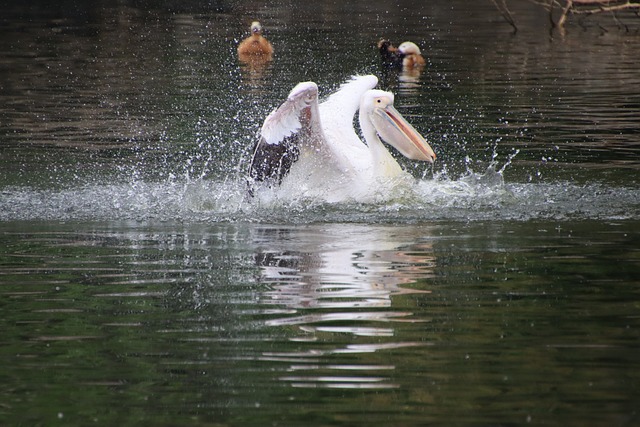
x,y
256,44
314,149
411,56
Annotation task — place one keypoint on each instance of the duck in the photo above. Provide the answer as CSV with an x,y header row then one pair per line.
x,y
406,56
256,44
389,54
411,55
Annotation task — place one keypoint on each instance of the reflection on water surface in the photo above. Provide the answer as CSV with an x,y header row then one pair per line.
x,y
497,322
139,285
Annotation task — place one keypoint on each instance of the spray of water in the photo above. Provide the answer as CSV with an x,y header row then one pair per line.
x,y
193,196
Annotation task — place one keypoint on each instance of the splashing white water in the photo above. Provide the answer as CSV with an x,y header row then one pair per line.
x,y
473,197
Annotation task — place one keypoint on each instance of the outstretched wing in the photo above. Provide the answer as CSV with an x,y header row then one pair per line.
x,y
338,110
273,161
281,134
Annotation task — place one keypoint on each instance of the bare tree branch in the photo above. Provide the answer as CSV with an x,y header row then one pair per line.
x,y
563,15
572,7
506,13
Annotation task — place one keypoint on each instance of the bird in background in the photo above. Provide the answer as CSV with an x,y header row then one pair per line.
x,y
389,54
256,44
407,55
411,56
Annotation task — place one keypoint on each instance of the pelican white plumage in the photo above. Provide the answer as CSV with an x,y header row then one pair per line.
x,y
314,149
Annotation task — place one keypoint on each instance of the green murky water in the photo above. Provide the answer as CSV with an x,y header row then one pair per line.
x,y
139,285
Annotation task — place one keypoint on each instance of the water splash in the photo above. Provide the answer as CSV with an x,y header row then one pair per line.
x,y
476,196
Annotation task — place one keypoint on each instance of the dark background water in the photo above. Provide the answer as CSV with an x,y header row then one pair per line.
x,y
155,88
138,286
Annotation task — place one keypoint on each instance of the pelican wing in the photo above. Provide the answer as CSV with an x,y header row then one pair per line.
x,y
281,135
338,110
273,161
281,123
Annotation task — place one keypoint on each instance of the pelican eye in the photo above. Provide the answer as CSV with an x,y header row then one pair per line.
x,y
382,102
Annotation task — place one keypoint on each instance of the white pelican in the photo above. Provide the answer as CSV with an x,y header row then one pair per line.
x,y
314,149
256,44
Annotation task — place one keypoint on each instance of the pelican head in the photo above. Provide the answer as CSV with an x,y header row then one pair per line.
x,y
256,28
409,48
389,124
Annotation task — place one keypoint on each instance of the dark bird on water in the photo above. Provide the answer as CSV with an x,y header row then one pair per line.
x,y
406,56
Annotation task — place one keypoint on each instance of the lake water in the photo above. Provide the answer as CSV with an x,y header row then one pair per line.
x,y
140,286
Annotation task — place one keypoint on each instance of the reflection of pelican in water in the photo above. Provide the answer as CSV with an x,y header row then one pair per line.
x,y
314,147
338,281
346,267
255,45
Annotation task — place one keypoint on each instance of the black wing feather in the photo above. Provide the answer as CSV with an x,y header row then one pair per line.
x,y
272,162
